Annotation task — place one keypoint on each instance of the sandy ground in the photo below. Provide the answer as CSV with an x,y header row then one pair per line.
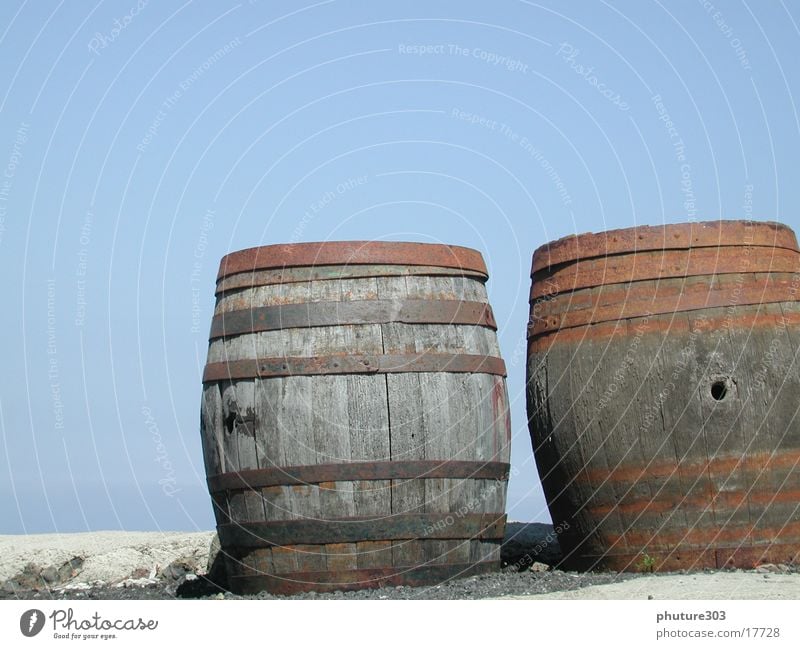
x,y
714,585
165,565
106,556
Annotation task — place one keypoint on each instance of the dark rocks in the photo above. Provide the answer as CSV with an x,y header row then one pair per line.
x,y
50,575
70,569
34,577
773,568
177,570
527,543
216,572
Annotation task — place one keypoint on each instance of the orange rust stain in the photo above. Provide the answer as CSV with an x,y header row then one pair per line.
x,y
660,237
760,462
665,324
721,502
499,409
638,266
631,308
710,536
684,556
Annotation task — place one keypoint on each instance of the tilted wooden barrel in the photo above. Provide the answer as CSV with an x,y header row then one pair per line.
x,y
355,416
663,383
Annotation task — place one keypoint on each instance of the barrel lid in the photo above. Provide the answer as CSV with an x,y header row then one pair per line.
x,y
345,253
681,236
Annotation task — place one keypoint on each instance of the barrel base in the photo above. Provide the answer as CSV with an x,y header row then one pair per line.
x,y
688,559
291,583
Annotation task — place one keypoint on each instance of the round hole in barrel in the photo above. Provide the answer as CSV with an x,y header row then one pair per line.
x,y
719,390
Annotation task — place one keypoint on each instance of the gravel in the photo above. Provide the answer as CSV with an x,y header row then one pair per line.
x,y
507,582
172,568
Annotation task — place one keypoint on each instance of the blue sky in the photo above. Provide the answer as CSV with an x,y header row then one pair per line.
x,y
142,141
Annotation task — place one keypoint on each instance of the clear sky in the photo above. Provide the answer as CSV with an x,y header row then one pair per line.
x,y
141,141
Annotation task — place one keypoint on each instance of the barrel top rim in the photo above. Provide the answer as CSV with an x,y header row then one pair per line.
x,y
662,237
327,253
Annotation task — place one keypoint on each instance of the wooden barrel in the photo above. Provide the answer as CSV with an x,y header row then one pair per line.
x,y
355,416
663,382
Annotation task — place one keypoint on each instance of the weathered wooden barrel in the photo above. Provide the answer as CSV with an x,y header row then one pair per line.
x,y
663,383
355,416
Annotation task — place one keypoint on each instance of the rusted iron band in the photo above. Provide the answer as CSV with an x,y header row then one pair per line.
x,y
328,314
353,364
392,527
290,583
763,462
347,253
682,557
737,296
663,237
302,274
315,474
660,265
748,317
714,535
721,501
611,294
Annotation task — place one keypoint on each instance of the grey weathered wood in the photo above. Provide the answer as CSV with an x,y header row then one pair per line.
x,y
662,415
408,443
407,424
302,420
211,430
213,445
230,447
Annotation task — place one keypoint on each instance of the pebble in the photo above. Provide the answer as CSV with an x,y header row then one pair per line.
x,y
50,574
771,567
